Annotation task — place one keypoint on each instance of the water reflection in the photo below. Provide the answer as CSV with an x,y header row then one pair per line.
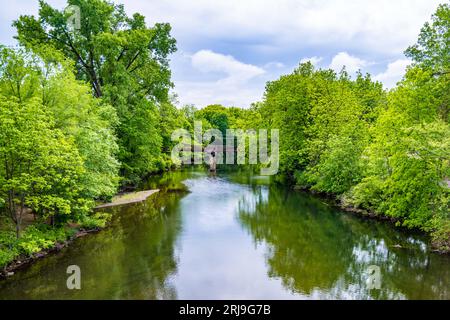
x,y
320,252
236,236
133,259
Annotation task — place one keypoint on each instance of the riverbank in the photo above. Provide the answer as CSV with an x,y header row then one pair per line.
x,y
40,240
25,260
440,245
128,198
236,231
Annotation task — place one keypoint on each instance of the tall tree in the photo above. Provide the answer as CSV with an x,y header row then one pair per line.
x,y
56,139
125,62
39,167
432,53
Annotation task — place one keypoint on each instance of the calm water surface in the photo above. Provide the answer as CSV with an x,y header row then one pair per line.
x,y
236,236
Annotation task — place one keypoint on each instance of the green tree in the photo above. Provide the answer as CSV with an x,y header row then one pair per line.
x,y
432,53
89,122
323,120
86,120
58,141
40,167
285,107
125,62
336,136
407,161
216,115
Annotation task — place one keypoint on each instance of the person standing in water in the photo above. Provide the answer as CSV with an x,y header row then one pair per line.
x,y
212,161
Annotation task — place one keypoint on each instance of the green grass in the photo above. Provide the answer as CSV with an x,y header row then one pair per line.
x,y
40,236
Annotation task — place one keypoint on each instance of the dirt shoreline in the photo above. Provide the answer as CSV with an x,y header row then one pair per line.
x,y
128,198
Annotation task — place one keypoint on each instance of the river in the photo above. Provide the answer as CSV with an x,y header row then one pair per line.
x,y
237,236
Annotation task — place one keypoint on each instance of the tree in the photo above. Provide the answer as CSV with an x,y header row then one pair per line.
x,y
88,121
433,46
216,115
40,166
82,118
432,54
323,119
171,119
57,141
125,62
285,107
407,161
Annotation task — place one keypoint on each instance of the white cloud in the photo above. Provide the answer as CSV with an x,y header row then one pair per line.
x,y
314,60
232,88
11,11
274,64
393,73
205,93
351,63
271,34
376,26
236,71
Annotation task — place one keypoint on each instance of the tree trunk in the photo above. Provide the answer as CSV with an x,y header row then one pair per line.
x,y
17,230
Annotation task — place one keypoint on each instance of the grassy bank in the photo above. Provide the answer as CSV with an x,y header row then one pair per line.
x,y
39,238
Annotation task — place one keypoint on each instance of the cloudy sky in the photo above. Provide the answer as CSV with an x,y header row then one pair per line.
x,y
229,49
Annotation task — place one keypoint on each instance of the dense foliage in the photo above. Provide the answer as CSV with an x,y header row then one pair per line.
x,y
125,63
80,116
83,112
387,152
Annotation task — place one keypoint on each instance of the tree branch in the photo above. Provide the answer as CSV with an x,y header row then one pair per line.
x,y
134,59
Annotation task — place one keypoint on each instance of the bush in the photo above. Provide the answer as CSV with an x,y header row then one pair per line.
x,y
97,220
34,239
8,249
40,237
6,256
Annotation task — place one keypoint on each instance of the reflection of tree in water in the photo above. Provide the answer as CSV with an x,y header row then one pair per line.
x,y
171,181
323,253
133,259
150,258
409,270
308,247
313,248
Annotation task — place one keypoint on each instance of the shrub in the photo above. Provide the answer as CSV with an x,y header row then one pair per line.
x,y
97,220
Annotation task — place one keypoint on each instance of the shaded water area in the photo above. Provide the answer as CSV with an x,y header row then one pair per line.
x,y
236,236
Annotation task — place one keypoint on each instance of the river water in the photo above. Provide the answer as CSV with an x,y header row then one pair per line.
x,y
237,236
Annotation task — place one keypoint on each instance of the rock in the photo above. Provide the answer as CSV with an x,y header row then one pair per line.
x,y
81,234
9,274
